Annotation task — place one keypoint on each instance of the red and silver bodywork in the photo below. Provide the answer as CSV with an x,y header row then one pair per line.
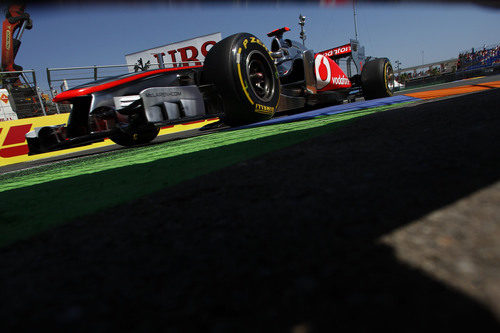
x,y
106,108
329,75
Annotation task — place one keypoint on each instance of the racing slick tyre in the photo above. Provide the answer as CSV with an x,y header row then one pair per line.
x,y
245,77
139,136
377,79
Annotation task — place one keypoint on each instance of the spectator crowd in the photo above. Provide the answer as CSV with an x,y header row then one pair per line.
x,y
467,60
479,58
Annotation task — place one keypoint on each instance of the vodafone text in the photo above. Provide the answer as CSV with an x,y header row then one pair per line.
x,y
338,51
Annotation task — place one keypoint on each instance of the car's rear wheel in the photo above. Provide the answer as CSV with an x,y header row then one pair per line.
x,y
377,79
245,76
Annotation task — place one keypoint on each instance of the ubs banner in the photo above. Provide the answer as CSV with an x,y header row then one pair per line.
x,y
186,53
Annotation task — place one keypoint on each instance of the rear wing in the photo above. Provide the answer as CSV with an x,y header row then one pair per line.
x,y
352,50
338,52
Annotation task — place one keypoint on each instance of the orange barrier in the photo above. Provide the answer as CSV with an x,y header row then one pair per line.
x,y
14,149
455,91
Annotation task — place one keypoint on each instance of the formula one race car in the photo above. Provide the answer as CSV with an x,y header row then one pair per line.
x,y
241,82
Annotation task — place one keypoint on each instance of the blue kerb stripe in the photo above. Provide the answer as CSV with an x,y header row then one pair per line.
x,y
331,110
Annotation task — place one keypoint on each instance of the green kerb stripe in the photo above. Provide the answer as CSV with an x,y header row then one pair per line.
x,y
37,199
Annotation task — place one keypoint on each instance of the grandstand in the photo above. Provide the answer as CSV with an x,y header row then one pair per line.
x,y
474,59
470,63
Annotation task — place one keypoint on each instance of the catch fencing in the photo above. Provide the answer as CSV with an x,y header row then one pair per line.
x,y
61,79
24,95
449,77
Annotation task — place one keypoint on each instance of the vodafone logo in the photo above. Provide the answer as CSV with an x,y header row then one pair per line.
x,y
341,81
328,53
323,71
329,75
342,50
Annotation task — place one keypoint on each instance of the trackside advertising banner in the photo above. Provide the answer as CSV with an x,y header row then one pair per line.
x,y
14,149
12,141
186,53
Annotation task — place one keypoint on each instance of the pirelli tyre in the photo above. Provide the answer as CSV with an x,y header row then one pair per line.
x,y
377,79
245,77
144,134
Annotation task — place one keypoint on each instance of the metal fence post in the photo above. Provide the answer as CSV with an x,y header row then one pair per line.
x,y
48,78
52,90
38,94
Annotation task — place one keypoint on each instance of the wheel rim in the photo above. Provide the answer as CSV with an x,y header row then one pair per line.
x,y
389,74
260,76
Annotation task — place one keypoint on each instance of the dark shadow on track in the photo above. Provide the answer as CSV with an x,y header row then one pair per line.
x,y
281,241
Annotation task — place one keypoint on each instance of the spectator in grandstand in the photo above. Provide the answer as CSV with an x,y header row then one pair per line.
x,y
480,58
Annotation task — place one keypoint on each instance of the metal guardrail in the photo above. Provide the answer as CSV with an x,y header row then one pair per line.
x,y
60,79
28,100
25,97
68,77
431,64
94,73
449,77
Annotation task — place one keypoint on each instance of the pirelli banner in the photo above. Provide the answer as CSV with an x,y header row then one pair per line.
x,y
189,52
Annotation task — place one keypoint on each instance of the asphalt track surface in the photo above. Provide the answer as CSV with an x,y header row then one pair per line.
x,y
388,223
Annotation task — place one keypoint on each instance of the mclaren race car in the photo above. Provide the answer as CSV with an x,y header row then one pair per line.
x,y
241,81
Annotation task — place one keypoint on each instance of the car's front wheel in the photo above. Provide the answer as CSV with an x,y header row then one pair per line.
x,y
246,78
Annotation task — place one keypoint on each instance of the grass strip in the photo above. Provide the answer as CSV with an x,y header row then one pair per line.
x,y
37,199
